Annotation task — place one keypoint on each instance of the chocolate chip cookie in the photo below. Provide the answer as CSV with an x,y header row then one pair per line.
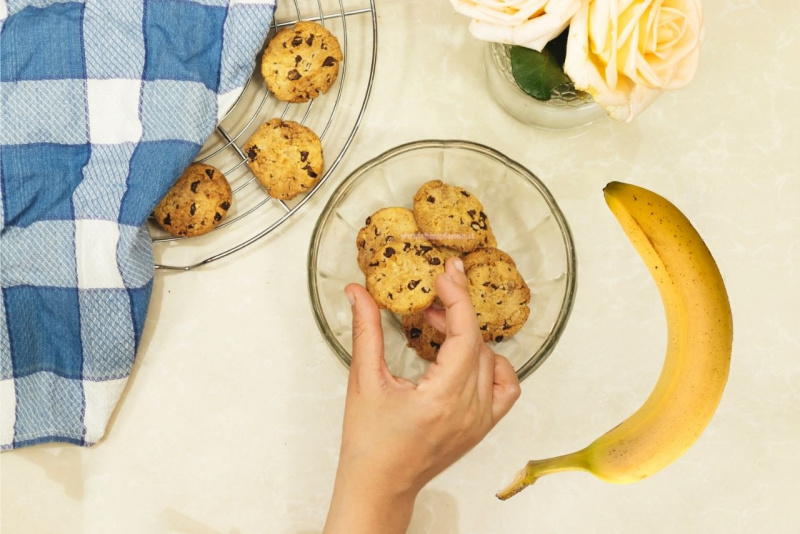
x,y
384,225
286,157
421,336
401,275
486,255
498,292
452,217
302,62
196,204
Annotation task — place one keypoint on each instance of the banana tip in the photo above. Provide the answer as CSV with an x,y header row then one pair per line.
x,y
520,482
510,491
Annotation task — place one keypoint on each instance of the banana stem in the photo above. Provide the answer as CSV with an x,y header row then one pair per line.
x,y
536,469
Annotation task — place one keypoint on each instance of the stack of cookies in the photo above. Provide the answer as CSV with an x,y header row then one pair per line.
x,y
401,251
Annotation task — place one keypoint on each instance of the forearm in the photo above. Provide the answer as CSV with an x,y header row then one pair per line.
x,y
363,505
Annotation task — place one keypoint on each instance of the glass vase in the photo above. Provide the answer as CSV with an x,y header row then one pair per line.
x,y
567,108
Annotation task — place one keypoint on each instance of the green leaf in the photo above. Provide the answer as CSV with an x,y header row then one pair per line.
x,y
536,73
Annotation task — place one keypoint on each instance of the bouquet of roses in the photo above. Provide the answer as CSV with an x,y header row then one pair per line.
x,y
624,53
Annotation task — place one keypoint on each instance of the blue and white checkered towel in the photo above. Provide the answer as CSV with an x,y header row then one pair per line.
x,y
103,103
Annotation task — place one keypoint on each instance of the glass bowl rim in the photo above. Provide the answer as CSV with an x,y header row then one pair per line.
x,y
537,358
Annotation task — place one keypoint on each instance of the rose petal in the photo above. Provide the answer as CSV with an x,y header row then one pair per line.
x,y
534,33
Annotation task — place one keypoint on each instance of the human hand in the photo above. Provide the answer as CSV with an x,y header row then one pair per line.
x,y
397,435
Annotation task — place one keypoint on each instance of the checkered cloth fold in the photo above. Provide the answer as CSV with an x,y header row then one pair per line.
x,y
103,103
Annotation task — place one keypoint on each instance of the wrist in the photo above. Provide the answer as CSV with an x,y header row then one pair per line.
x,y
365,502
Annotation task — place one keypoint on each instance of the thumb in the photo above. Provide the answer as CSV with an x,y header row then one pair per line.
x,y
368,356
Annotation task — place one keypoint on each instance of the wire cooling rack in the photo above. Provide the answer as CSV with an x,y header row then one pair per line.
x,y
335,117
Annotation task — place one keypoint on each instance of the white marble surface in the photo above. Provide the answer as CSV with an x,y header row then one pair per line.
x,y
231,421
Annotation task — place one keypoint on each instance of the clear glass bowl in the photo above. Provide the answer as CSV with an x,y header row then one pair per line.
x,y
525,219
567,107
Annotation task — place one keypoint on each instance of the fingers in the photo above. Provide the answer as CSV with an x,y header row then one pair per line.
x,y
452,289
506,389
437,318
457,360
368,355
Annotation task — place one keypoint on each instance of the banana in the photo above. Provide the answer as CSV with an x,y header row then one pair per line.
x,y
699,341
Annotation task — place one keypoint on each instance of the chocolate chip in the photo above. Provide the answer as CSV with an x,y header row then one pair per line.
x,y
329,62
434,261
324,46
374,264
484,326
498,338
475,225
310,40
506,326
413,283
431,199
167,220
391,297
435,345
369,220
304,157
217,216
406,246
389,252
465,193
471,214
293,75
486,284
210,173
192,208
309,170
415,333
426,290
225,205
297,41
251,153
194,186
483,215
297,59
425,248
494,286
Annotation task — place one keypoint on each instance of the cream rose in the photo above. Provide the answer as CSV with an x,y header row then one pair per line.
x,y
626,52
528,23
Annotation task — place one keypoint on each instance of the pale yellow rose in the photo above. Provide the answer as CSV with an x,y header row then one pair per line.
x,y
528,23
626,52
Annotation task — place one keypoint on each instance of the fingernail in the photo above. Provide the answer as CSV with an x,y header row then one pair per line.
x,y
459,264
350,298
